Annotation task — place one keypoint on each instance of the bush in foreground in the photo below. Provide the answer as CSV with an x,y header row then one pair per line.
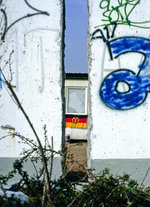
x,y
104,190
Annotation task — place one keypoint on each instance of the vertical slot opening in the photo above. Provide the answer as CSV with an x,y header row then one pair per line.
x,y
76,88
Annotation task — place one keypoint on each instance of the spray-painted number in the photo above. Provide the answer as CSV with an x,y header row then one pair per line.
x,y
138,84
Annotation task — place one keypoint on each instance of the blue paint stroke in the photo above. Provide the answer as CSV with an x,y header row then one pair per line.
x,y
139,84
127,100
132,44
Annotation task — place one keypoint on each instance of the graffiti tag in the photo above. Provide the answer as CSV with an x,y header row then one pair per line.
x,y
119,11
138,84
5,27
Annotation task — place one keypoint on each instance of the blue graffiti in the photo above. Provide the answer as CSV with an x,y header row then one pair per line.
x,y
132,98
138,84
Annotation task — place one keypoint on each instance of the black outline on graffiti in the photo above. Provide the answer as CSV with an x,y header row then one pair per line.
x,y
6,27
121,80
106,39
108,36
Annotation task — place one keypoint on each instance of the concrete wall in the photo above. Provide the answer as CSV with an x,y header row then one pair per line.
x,y
6,165
32,48
119,100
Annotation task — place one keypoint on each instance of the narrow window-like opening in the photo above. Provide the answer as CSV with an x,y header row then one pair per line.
x,y
76,88
76,36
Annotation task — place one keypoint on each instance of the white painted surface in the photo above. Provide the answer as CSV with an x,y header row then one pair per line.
x,y
76,133
37,73
116,134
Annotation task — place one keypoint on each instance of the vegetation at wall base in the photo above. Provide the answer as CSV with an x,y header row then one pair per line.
x,y
104,190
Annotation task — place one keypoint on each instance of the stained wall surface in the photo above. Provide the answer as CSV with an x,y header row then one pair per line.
x,y
119,52
31,59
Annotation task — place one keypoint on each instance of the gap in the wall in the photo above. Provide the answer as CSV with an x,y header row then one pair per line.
x,y
76,13
76,87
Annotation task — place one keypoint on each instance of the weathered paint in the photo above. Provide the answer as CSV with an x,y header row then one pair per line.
x,y
137,169
6,165
118,134
36,72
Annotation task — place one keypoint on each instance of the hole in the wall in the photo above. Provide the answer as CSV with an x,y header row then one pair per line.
x,y
76,20
76,83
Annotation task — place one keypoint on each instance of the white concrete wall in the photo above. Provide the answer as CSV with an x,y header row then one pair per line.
x,y
36,68
117,133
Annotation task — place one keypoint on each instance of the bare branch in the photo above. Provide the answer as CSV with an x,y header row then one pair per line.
x,y
52,158
34,132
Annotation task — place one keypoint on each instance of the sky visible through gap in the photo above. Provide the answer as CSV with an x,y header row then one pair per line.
x,y
76,36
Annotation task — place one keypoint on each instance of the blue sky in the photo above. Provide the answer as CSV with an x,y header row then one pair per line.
x,y
76,36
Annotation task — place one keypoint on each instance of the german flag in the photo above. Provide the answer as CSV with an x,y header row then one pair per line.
x,y
76,121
